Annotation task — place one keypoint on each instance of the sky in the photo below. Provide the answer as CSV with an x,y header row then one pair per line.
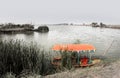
x,y
60,11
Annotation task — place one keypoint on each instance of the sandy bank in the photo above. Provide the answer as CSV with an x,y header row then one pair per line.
x,y
103,71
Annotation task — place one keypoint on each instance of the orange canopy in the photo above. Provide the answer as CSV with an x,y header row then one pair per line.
x,y
73,47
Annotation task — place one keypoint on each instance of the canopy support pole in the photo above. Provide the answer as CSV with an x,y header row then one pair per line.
x,y
78,57
90,61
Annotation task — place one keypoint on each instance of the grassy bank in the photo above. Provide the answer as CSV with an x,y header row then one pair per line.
x,y
17,57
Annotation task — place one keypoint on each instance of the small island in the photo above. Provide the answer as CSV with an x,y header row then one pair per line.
x,y
10,27
42,29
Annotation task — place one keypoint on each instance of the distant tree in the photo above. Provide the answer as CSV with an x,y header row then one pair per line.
x,y
102,25
95,24
11,25
71,23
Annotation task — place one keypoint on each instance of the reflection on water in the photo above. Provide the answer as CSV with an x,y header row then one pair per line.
x,y
100,38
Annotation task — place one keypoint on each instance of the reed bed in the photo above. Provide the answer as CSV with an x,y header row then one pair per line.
x,y
66,61
17,57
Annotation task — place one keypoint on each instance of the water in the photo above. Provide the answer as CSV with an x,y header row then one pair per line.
x,y
101,38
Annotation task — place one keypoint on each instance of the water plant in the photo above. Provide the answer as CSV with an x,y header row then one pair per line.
x,y
66,61
16,56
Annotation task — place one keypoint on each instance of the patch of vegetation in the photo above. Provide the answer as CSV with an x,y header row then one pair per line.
x,y
16,57
66,61
12,26
43,28
95,24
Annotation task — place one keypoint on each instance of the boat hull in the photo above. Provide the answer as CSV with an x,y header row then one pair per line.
x,y
57,63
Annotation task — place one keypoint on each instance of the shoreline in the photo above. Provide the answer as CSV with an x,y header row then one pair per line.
x,y
102,71
45,28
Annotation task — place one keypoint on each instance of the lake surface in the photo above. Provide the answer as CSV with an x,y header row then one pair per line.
x,y
101,38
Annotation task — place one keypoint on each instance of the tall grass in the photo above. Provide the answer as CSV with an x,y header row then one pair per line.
x,y
66,61
16,56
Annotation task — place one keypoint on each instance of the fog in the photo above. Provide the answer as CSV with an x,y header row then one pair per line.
x,y
59,11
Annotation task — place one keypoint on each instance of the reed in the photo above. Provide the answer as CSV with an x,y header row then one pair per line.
x,y
16,56
66,60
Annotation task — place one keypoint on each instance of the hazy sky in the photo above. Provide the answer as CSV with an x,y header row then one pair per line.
x,y
60,11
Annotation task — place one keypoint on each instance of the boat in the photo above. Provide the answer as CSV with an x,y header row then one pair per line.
x,y
83,54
